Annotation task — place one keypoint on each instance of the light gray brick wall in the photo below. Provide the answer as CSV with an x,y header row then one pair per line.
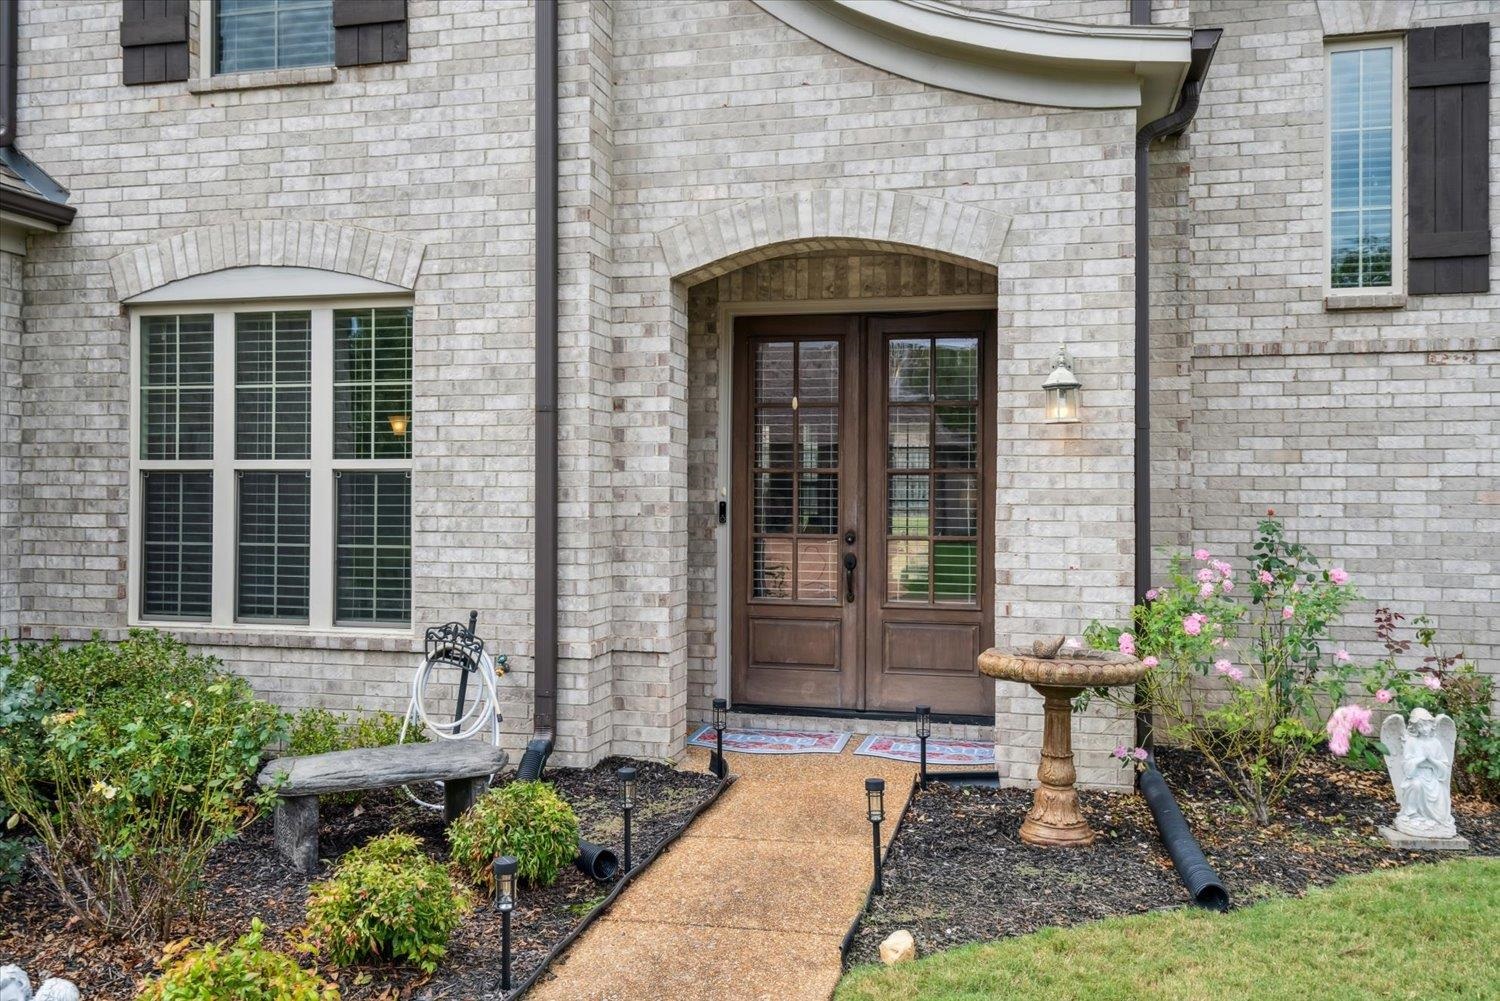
x,y
10,438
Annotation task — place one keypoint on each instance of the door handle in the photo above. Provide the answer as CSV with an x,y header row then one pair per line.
x,y
850,562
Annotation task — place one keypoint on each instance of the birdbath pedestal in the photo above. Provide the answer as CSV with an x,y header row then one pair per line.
x,y
1055,819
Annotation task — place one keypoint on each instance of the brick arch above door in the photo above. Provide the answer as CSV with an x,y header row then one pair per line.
x,y
832,219
349,250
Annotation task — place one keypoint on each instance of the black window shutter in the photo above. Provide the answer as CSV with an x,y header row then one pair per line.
x,y
369,31
154,39
1448,158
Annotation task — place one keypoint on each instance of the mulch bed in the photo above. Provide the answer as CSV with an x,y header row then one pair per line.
x,y
246,879
958,871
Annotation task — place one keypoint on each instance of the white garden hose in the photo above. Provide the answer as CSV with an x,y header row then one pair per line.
x,y
483,711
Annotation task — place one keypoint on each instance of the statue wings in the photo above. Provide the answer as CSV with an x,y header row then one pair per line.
x,y
1393,736
1447,732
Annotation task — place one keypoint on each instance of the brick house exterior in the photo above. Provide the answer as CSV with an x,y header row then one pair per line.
x,y
715,160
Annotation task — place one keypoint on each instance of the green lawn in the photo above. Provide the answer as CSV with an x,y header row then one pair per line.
x,y
1423,932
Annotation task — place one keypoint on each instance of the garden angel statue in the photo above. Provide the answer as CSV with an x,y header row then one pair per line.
x,y
1420,759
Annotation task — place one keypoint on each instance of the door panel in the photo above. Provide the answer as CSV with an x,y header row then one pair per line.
x,y
795,636
930,453
862,499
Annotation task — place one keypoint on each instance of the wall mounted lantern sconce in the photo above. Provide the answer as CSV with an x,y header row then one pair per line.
x,y
1061,388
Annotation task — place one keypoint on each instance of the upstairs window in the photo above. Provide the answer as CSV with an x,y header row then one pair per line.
x,y
272,34
1365,89
273,464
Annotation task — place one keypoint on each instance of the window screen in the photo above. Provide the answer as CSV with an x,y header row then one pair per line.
x,y
272,577
1361,149
177,387
372,383
272,392
374,547
177,545
271,34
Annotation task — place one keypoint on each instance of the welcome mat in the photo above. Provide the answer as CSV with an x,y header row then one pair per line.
x,y
939,752
772,741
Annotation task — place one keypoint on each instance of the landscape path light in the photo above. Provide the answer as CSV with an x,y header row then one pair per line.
x,y
924,730
626,775
721,719
875,809
505,902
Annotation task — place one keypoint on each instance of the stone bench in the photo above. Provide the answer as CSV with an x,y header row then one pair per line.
x,y
462,766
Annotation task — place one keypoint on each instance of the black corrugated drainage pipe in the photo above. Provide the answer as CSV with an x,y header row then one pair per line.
x,y
544,674
597,861
1204,42
1192,867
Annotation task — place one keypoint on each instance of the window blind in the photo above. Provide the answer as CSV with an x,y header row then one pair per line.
x,y
372,383
272,576
273,385
272,34
177,392
1361,213
374,547
177,545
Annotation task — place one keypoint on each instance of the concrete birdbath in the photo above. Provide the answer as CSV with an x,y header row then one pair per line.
x,y
1055,819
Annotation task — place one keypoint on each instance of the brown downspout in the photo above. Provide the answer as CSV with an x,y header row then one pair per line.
x,y
1204,42
544,711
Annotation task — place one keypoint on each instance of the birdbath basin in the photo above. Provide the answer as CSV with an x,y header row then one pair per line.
x,y
1055,819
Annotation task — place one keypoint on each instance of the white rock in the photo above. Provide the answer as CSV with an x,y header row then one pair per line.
x,y
899,947
15,985
56,989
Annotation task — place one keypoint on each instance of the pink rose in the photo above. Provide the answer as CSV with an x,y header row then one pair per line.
x,y
1205,590
1205,575
1120,751
1150,661
1140,754
1224,568
1192,625
1265,577
1201,555
1341,655
1286,612
1127,644
1384,695
1151,594
1235,674
1432,682
1339,575
1227,669
1226,585
1338,742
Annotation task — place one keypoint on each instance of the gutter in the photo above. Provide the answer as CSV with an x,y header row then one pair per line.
x,y
47,201
544,691
1204,43
10,59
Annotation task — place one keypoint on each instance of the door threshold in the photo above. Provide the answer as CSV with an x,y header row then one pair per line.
x,y
877,715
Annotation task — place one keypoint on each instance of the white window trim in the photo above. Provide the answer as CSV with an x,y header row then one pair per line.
x,y
322,558
1397,289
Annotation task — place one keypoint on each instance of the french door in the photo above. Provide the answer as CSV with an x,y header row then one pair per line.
x,y
863,509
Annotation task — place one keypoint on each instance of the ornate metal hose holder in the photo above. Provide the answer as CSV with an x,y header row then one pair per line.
x,y
1055,819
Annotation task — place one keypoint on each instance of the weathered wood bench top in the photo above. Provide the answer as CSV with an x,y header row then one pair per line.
x,y
382,767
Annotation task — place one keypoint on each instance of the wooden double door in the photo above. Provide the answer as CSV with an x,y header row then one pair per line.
x,y
863,511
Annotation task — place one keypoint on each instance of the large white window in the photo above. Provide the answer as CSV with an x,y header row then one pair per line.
x,y
1365,190
271,34
272,464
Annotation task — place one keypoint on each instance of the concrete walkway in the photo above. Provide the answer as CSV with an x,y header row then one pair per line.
x,y
752,902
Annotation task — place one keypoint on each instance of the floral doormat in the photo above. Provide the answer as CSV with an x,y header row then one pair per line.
x,y
772,741
939,752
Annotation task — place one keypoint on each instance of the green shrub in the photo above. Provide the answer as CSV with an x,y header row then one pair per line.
x,y
315,731
382,729
129,783
13,851
318,731
386,901
526,819
245,971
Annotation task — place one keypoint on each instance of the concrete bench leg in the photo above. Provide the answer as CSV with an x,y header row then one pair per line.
x,y
459,795
296,823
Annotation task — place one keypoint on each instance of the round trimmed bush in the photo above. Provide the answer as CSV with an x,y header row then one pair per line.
x,y
526,819
387,901
245,971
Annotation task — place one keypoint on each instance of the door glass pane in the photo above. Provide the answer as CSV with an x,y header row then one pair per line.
x,y
957,368
773,372
909,370
957,438
908,430
818,431
956,505
818,504
772,569
907,571
906,504
817,569
955,571
818,371
773,502
773,438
